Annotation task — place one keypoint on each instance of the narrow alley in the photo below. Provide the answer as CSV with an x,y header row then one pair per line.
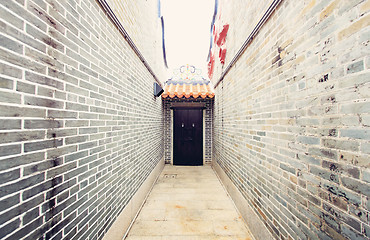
x,y
188,203
174,119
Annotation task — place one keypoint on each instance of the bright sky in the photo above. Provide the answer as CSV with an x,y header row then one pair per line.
x,y
187,32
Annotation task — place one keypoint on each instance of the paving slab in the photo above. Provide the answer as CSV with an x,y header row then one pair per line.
x,y
188,202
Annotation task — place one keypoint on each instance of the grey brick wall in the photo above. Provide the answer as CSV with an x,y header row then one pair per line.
x,y
143,23
208,117
80,129
291,120
168,131
207,128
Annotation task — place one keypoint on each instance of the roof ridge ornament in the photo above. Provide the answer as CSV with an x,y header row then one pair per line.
x,y
187,73
187,81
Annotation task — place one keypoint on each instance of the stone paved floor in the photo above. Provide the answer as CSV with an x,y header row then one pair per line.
x,y
188,203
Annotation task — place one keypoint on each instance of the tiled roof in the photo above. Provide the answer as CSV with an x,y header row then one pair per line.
x,y
186,90
187,83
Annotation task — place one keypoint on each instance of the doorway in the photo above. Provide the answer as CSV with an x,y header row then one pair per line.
x,y
188,137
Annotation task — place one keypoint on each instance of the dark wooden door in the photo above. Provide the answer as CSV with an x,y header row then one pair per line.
x,y
188,137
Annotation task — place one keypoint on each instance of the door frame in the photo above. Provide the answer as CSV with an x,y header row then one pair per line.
x,y
173,131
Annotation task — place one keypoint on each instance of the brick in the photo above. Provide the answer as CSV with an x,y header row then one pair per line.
x,y
13,111
355,133
89,86
9,176
26,88
41,145
351,234
50,204
42,37
22,184
356,185
20,160
88,71
6,29
6,83
20,11
60,95
54,211
60,225
42,124
27,229
365,120
354,27
325,174
45,92
57,152
341,168
43,102
341,144
44,59
37,189
41,231
74,55
35,78
59,170
21,61
358,213
61,114
76,73
30,216
77,107
58,14
308,140
42,166
11,18
77,139
366,230
9,97
40,13
77,123
10,227
62,76
326,153
9,137
365,148
10,150
84,115
355,159
57,133
10,71
328,10
355,67
75,172
9,124
342,216
11,45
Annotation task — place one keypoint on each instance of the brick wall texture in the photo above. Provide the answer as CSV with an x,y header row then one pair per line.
x,y
291,118
142,23
80,129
